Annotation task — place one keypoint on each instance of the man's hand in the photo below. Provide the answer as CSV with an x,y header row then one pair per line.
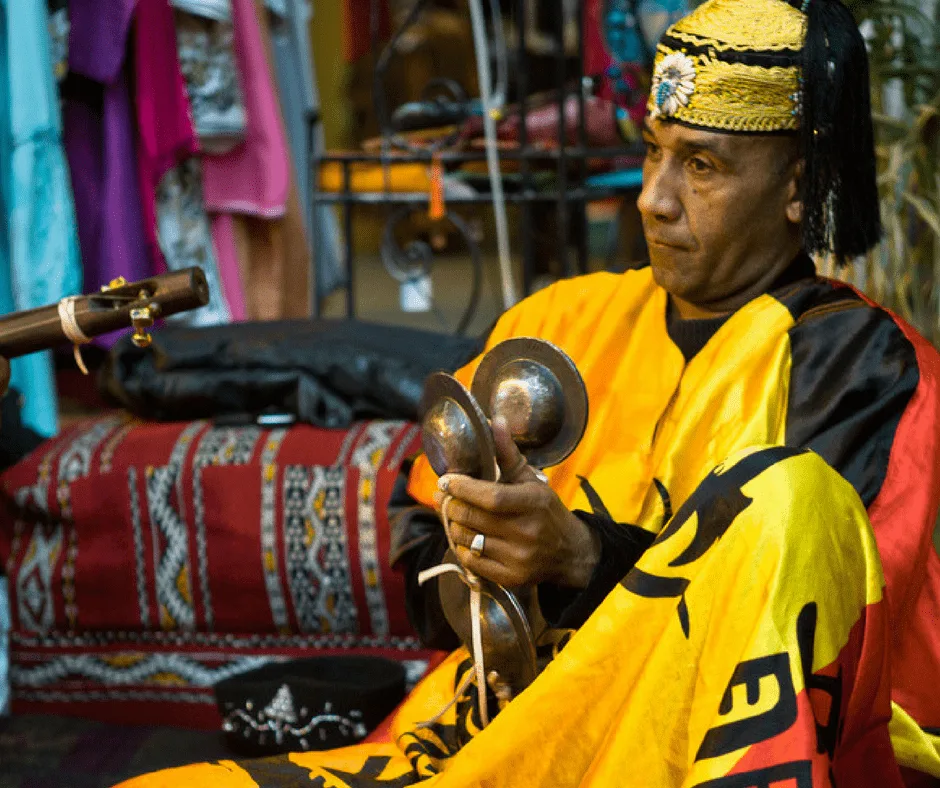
x,y
530,535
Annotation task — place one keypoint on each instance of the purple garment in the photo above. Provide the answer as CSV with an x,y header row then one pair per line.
x,y
99,141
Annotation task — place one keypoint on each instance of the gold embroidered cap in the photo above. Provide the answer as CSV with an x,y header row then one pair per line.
x,y
731,65
783,66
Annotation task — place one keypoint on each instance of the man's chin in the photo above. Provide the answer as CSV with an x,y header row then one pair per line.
x,y
665,276
674,284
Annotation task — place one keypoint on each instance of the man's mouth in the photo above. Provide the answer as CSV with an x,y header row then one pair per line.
x,y
665,244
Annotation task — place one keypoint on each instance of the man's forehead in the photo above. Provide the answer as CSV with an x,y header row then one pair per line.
x,y
726,143
680,134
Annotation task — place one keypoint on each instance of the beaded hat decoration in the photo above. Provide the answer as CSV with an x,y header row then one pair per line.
x,y
783,66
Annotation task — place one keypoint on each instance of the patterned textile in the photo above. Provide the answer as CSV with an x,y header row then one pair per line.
x,y
207,60
148,561
732,65
186,240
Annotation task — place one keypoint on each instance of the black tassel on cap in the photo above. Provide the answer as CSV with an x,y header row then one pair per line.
x,y
840,194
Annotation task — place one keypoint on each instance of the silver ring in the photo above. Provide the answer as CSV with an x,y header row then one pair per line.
x,y
477,545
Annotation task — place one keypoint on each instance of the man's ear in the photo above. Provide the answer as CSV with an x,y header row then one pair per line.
x,y
794,186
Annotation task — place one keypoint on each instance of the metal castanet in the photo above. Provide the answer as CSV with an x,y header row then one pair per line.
x,y
511,622
120,305
536,387
529,382
455,433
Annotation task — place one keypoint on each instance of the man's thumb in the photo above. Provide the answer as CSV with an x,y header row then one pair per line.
x,y
511,461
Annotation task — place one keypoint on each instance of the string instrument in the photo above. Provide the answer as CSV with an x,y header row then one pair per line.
x,y
76,320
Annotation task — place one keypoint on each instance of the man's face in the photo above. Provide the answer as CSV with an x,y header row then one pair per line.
x,y
720,214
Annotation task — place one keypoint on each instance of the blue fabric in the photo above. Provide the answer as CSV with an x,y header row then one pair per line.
x,y
39,258
619,179
632,29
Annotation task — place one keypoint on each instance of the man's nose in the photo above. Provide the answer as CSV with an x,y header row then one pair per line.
x,y
658,198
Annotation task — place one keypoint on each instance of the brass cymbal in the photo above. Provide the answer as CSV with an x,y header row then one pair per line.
x,y
455,433
508,639
537,388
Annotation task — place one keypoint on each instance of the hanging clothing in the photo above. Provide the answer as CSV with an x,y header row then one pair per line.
x,y
220,10
99,141
257,226
164,121
273,256
39,252
186,240
300,102
178,229
226,254
254,177
188,236
207,59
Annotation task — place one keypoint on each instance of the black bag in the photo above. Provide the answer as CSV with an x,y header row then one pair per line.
x,y
328,373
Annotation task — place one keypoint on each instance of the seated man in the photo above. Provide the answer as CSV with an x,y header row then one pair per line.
x,y
743,537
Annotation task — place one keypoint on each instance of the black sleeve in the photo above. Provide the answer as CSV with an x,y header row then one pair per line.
x,y
621,547
418,543
853,374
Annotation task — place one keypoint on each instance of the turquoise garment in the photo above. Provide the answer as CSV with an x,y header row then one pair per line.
x,y
39,259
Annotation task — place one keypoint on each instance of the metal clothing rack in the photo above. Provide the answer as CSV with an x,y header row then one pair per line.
x,y
570,194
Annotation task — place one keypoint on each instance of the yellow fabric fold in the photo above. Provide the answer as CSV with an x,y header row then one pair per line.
x,y
714,657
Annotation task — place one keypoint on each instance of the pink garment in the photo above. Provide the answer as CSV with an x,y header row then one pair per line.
x,y
164,121
226,256
254,177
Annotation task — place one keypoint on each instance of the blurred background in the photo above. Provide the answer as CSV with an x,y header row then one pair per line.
x,y
331,159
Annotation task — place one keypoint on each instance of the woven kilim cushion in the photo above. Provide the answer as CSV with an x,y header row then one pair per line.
x,y
147,561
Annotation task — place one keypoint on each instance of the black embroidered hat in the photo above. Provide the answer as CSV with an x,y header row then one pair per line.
x,y
318,703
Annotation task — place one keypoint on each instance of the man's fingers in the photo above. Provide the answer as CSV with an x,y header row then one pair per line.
x,y
496,497
494,546
477,520
488,567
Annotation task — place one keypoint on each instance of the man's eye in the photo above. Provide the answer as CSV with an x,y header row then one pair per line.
x,y
699,165
651,148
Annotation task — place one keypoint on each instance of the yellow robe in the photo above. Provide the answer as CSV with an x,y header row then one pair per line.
x,y
748,647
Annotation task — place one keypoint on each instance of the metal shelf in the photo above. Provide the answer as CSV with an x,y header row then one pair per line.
x,y
569,163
